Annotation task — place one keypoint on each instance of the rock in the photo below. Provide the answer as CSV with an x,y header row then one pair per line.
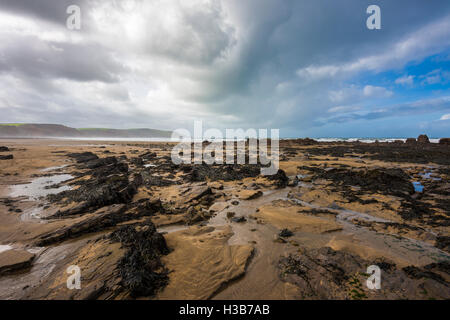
x,y
239,219
280,178
286,233
141,269
250,194
99,220
83,157
411,140
216,185
4,149
235,202
197,193
423,138
392,181
444,141
227,172
96,163
328,274
230,214
306,142
7,157
293,182
100,191
443,243
14,260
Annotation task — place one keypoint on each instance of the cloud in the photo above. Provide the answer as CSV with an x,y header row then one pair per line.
x,y
342,109
419,44
378,92
405,80
445,117
254,63
426,106
437,76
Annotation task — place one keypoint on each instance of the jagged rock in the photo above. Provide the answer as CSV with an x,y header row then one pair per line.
x,y
234,172
93,164
411,140
280,178
100,192
443,243
141,269
423,138
306,142
102,218
216,185
83,157
197,192
230,214
286,233
238,219
444,141
328,274
14,260
391,180
7,157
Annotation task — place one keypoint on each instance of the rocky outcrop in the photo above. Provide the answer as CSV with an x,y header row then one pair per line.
x,y
97,221
444,141
83,157
392,181
15,260
280,179
203,172
345,277
423,138
141,269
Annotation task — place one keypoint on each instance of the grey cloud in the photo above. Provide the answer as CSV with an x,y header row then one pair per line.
x,y
34,58
51,10
234,53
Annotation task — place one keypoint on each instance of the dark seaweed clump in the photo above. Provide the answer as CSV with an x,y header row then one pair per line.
x,y
141,269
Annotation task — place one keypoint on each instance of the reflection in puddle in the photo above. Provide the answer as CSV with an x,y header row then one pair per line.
x,y
427,175
418,187
4,248
54,168
41,187
34,213
172,228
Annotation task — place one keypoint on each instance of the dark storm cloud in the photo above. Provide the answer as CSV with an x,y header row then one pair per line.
x,y
32,57
254,62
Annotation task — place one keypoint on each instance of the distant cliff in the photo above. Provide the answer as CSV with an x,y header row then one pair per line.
x,y
55,130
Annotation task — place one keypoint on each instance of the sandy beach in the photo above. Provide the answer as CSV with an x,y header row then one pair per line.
x,y
140,227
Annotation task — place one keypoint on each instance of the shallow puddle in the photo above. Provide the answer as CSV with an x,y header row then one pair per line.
x,y
418,187
4,248
40,187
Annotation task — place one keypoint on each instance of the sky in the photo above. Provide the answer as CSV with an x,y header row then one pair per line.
x,y
308,68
